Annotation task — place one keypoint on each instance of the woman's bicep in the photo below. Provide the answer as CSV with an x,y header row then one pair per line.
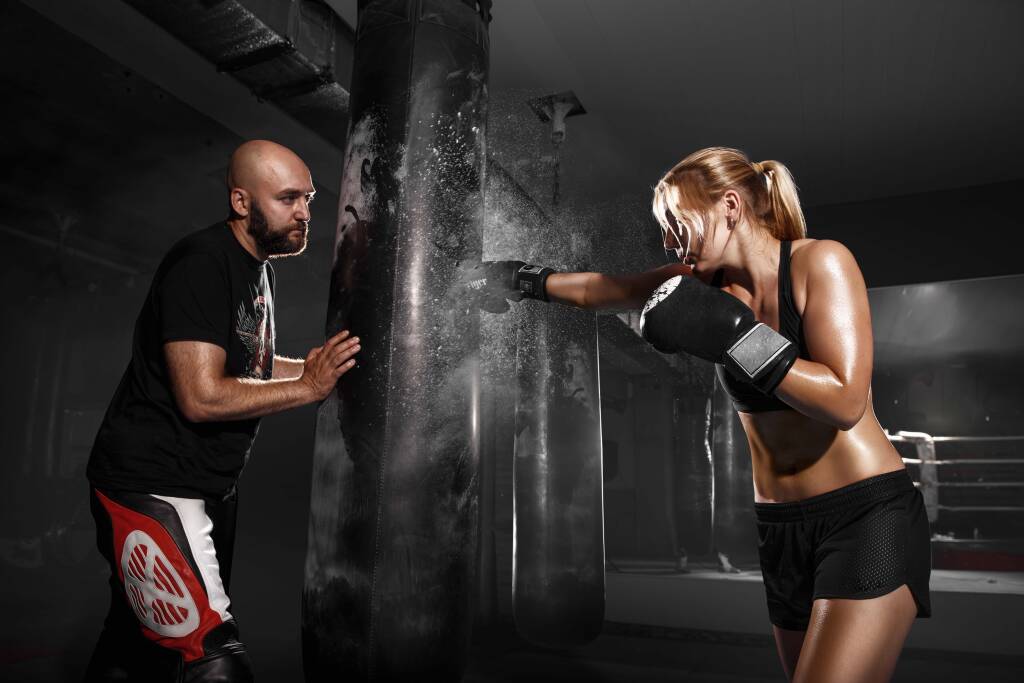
x,y
836,317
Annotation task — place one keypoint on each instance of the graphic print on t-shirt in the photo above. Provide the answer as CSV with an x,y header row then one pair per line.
x,y
255,329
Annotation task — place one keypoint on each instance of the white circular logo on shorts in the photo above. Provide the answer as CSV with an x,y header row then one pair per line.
x,y
160,598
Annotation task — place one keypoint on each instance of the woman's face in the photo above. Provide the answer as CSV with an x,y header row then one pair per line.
x,y
696,243
677,237
699,240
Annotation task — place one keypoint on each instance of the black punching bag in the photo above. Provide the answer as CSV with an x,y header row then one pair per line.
x,y
390,567
692,471
735,531
558,556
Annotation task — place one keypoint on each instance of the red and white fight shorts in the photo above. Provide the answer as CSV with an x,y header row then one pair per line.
x,y
164,559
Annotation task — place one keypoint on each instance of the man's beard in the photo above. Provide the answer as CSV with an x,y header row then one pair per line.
x,y
273,243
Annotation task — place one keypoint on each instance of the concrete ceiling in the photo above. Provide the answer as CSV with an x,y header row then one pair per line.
x,y
861,99
121,136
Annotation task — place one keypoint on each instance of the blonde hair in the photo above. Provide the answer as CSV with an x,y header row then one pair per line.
x,y
688,191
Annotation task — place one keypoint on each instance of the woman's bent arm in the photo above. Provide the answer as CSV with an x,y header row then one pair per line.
x,y
833,388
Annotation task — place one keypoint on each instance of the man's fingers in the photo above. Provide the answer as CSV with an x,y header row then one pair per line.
x,y
343,354
342,346
344,367
337,339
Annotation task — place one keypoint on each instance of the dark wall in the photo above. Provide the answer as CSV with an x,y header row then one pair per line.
x,y
949,235
103,172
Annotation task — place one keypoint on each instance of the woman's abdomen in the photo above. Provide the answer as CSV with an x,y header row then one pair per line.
x,y
795,457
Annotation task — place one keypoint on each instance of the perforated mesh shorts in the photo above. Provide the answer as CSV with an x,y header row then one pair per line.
x,y
860,541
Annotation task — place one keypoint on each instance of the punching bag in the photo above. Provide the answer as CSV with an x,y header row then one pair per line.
x,y
558,554
390,568
692,474
735,531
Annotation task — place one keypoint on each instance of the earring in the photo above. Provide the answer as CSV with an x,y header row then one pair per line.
x,y
730,222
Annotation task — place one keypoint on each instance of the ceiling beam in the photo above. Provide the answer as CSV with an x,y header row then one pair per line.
x,y
121,32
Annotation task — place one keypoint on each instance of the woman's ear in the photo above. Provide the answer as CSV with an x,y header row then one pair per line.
x,y
733,207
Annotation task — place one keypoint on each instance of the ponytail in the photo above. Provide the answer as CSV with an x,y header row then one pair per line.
x,y
785,218
699,180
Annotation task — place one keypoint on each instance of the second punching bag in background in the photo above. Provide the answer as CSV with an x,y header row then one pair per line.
x,y
558,574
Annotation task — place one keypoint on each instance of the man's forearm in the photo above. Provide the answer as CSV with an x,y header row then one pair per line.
x,y
288,368
235,398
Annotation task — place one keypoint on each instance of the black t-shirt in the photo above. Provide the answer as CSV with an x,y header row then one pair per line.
x,y
210,289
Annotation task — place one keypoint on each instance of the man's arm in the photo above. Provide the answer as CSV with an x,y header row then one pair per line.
x,y
204,392
288,368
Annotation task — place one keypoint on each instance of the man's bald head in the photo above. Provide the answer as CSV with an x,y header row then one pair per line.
x,y
258,161
269,190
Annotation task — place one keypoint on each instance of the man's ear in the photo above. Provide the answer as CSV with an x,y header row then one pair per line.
x,y
240,201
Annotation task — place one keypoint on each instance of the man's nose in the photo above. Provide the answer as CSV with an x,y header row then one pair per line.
x,y
302,213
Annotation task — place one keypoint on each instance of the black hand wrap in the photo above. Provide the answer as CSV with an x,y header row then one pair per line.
x,y
531,281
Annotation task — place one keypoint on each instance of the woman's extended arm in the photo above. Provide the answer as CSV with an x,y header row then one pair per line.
x,y
597,291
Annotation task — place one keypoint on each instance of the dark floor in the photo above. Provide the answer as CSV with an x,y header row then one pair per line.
x,y
621,656
616,659
41,642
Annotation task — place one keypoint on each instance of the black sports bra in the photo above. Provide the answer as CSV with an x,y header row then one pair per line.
x,y
745,397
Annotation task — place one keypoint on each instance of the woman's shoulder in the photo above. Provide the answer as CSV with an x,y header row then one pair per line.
x,y
813,258
810,254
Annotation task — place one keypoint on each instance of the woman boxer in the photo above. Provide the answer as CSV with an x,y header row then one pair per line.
x,y
843,535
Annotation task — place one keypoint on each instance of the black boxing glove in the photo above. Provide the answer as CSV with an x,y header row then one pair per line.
x,y
494,283
684,314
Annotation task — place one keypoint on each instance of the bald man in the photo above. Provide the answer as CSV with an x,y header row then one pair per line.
x,y
179,428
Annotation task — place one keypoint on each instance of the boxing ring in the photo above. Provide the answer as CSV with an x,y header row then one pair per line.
x,y
970,485
947,384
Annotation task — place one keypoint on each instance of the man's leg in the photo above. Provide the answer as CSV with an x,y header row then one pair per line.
x,y
169,618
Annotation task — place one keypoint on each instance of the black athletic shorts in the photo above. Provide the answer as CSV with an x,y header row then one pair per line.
x,y
860,541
